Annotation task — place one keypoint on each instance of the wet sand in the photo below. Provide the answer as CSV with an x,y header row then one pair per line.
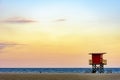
x,y
60,76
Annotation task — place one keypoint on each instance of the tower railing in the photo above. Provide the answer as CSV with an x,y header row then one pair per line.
x,y
103,62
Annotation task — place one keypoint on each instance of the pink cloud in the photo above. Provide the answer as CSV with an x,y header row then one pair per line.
x,y
4,45
18,20
60,20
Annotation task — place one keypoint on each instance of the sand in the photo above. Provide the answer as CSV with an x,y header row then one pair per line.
x,y
60,76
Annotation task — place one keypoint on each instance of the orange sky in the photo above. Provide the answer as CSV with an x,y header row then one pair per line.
x,y
58,33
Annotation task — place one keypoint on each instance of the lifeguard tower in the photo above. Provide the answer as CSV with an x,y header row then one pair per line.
x,y
97,62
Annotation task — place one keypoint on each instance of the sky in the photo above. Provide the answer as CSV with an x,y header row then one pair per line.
x,y
58,33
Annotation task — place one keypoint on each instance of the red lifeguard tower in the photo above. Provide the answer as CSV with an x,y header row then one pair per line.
x,y
97,62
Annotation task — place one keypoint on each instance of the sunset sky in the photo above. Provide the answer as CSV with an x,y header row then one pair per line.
x,y
58,33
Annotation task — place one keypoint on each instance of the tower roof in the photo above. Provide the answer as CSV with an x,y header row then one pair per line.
x,y
97,53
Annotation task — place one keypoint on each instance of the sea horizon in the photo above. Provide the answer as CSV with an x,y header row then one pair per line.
x,y
56,70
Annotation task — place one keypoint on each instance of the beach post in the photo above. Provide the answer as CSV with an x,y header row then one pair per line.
x,y
97,62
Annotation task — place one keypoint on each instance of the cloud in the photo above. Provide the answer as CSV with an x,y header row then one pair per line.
x,y
19,20
60,20
4,45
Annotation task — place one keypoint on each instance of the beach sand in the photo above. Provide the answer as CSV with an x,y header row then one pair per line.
x,y
60,76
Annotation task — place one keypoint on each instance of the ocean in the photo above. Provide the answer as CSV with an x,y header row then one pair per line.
x,y
54,70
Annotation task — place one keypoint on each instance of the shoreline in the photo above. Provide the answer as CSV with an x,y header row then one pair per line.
x,y
59,76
